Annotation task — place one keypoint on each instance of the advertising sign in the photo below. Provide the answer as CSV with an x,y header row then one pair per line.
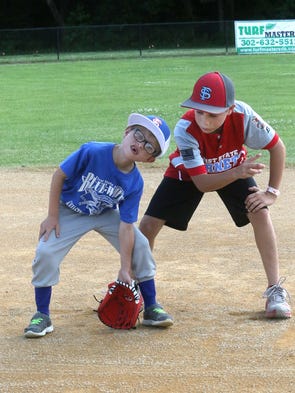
x,y
273,36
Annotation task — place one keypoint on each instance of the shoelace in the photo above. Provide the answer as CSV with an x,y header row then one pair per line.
x,y
277,290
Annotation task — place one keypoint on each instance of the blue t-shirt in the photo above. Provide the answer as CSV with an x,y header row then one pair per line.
x,y
94,184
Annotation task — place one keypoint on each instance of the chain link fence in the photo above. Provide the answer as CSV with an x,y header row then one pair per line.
x,y
113,41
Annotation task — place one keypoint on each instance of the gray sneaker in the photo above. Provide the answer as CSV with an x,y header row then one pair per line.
x,y
156,316
39,326
276,301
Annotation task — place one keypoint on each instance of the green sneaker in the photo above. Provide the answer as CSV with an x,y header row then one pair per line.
x,y
156,316
39,326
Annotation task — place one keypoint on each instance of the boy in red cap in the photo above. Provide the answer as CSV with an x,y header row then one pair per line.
x,y
211,156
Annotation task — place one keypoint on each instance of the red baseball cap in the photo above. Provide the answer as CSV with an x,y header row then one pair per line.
x,y
213,92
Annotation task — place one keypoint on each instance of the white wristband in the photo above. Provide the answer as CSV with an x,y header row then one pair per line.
x,y
273,191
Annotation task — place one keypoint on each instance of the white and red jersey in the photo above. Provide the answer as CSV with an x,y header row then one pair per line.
x,y
198,153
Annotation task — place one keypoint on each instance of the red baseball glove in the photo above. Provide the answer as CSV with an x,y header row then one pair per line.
x,y
121,305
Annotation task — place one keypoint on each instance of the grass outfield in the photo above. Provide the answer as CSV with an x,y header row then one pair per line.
x,y
49,109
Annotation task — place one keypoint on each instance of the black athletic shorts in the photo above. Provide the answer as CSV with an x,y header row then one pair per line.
x,y
175,201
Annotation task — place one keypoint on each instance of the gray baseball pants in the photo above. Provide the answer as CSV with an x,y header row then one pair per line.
x,y
50,254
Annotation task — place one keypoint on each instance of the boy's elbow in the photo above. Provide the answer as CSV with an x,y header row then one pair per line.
x,y
279,149
200,185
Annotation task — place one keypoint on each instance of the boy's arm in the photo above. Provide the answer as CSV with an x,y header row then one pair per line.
x,y
276,164
213,182
51,222
126,240
259,198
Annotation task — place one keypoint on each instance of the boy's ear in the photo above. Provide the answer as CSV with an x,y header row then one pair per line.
x,y
127,130
230,110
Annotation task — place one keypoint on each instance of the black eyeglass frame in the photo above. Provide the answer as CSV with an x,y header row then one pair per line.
x,y
148,147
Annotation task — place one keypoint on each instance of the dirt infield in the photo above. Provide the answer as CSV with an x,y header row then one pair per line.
x,y
209,278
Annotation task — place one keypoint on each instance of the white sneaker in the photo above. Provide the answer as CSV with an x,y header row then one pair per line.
x,y
276,305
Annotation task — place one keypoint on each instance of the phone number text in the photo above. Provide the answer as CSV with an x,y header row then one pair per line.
x,y
267,42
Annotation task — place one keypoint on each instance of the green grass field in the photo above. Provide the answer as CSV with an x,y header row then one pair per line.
x,y
49,109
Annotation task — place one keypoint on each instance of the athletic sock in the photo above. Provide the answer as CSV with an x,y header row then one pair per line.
x,y
42,298
148,291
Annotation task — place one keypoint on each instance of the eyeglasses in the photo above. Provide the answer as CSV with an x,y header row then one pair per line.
x,y
148,147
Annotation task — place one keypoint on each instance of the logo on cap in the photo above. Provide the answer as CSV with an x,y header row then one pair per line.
x,y
205,93
157,121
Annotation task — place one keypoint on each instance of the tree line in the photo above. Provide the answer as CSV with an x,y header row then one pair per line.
x,y
15,14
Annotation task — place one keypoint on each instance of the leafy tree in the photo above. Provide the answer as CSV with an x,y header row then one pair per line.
x,y
47,13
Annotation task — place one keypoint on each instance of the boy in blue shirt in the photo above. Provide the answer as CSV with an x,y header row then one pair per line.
x,y
98,187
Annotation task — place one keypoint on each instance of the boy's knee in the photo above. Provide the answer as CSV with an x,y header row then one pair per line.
x,y
143,225
43,251
45,268
141,240
261,215
150,226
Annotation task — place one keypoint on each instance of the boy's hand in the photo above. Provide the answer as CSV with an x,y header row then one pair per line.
x,y
124,276
250,168
47,226
258,199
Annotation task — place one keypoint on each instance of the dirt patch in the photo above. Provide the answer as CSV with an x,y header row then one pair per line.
x,y
209,278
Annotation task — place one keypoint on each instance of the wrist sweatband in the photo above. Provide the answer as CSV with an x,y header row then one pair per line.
x,y
273,191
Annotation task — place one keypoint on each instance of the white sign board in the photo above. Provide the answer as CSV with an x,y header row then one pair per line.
x,y
273,36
